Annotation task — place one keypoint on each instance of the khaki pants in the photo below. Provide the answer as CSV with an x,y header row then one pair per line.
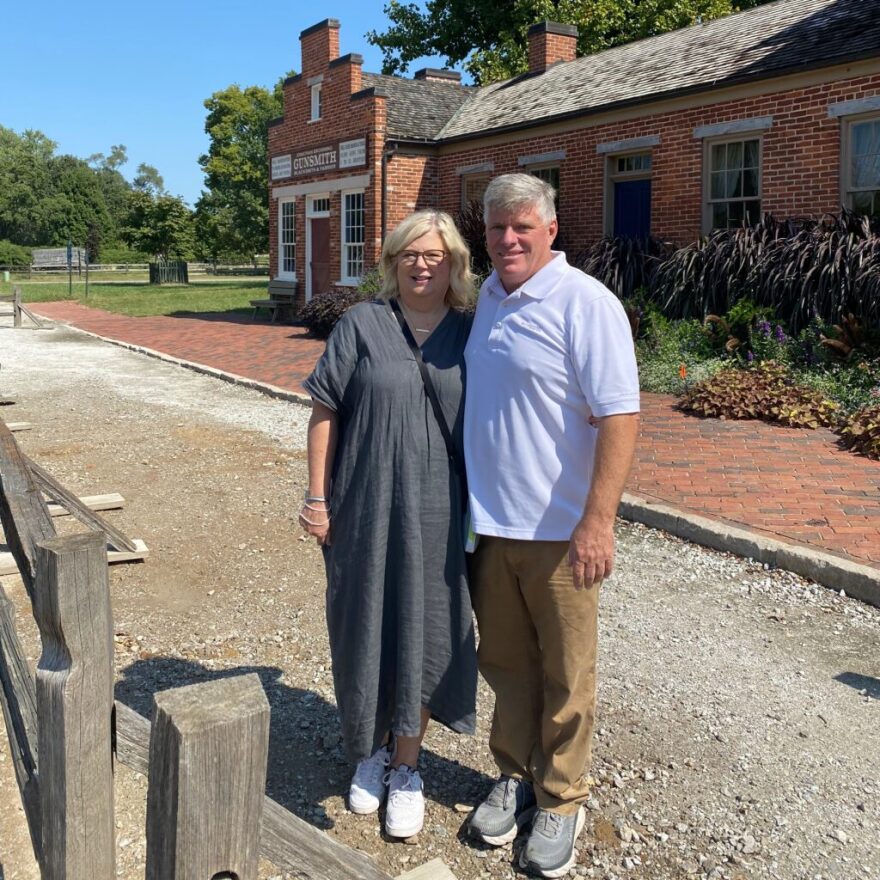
x,y
538,653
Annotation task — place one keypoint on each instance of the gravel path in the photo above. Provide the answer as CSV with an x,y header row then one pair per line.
x,y
739,722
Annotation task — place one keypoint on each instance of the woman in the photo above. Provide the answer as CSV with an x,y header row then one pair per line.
x,y
385,502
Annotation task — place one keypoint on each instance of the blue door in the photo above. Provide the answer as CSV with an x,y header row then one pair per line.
x,y
632,208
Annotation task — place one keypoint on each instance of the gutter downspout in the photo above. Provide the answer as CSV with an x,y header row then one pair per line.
x,y
387,154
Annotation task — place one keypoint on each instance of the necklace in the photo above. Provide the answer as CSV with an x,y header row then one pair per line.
x,y
434,323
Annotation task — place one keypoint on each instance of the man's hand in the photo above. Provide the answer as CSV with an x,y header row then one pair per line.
x,y
591,551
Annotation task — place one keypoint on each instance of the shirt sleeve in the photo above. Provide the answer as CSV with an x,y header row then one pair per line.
x,y
329,380
604,356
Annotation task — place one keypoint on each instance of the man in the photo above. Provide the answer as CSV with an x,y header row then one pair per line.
x,y
551,420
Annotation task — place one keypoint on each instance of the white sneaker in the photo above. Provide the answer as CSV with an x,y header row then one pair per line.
x,y
405,813
368,786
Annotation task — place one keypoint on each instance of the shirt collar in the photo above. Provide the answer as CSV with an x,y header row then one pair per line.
x,y
538,286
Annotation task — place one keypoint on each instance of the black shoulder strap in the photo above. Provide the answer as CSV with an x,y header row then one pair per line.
x,y
451,451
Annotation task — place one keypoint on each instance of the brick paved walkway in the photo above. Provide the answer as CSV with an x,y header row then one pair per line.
x,y
794,485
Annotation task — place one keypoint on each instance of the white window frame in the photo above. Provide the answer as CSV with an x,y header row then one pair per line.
x,y
846,141
315,102
344,244
612,176
284,274
708,144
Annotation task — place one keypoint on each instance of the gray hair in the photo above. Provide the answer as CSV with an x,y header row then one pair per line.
x,y
511,193
461,282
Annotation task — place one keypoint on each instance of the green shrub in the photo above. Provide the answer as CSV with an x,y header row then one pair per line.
x,y
861,431
766,392
14,255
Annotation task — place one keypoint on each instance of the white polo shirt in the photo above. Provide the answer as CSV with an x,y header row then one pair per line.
x,y
540,362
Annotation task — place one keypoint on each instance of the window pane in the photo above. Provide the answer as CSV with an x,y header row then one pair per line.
x,y
719,216
750,182
863,202
734,184
353,234
735,155
750,159
718,188
719,157
473,187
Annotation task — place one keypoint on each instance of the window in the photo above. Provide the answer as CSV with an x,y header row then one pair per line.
x,y
549,174
316,102
628,195
320,205
862,167
286,240
734,183
353,229
472,188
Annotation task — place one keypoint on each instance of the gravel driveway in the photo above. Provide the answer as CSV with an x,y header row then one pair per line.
x,y
739,719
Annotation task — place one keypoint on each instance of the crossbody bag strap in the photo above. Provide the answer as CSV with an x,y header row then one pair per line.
x,y
430,391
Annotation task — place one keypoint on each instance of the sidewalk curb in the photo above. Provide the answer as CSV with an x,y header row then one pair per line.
x,y
855,579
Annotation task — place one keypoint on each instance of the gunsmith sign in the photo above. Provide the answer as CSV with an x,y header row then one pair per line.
x,y
315,161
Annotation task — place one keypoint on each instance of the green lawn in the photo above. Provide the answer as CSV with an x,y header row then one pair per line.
x,y
139,299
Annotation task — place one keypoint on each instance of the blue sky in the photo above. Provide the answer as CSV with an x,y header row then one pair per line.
x,y
96,74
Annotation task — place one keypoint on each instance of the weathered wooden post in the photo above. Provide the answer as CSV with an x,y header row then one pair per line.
x,y
208,751
16,306
74,706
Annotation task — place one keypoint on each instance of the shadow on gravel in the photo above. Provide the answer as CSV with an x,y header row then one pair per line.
x,y
306,763
866,683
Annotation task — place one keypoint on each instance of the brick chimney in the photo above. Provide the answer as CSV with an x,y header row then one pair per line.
x,y
435,74
320,45
550,42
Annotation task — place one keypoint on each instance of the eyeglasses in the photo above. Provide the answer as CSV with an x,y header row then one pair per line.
x,y
431,258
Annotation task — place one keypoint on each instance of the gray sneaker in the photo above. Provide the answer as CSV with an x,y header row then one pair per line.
x,y
509,806
550,850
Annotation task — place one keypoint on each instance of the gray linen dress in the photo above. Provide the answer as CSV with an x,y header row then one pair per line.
x,y
398,606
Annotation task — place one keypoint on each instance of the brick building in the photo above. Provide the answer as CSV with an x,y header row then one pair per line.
x,y
773,109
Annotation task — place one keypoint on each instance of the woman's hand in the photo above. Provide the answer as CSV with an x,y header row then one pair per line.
x,y
315,519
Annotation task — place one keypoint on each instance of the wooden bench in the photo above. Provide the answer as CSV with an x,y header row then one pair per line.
x,y
280,302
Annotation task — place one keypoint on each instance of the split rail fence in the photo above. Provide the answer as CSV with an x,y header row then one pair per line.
x,y
18,308
205,752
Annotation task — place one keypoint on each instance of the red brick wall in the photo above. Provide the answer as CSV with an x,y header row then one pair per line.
x,y
413,184
341,119
318,48
800,160
546,49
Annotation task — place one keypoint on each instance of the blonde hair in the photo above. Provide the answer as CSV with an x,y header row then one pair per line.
x,y
461,282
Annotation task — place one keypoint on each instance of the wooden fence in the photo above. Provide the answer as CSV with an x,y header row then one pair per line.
x,y
18,308
205,752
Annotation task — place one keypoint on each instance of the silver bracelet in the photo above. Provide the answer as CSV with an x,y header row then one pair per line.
x,y
314,497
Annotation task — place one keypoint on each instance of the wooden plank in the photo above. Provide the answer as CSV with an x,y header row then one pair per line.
x,y
433,870
109,501
23,512
117,539
19,700
16,306
286,840
24,310
17,427
74,708
208,753
8,564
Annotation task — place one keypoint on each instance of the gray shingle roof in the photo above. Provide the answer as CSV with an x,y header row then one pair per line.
x,y
757,44
417,109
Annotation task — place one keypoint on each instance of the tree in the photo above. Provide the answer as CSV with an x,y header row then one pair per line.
x,y
159,225
490,37
232,217
148,180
